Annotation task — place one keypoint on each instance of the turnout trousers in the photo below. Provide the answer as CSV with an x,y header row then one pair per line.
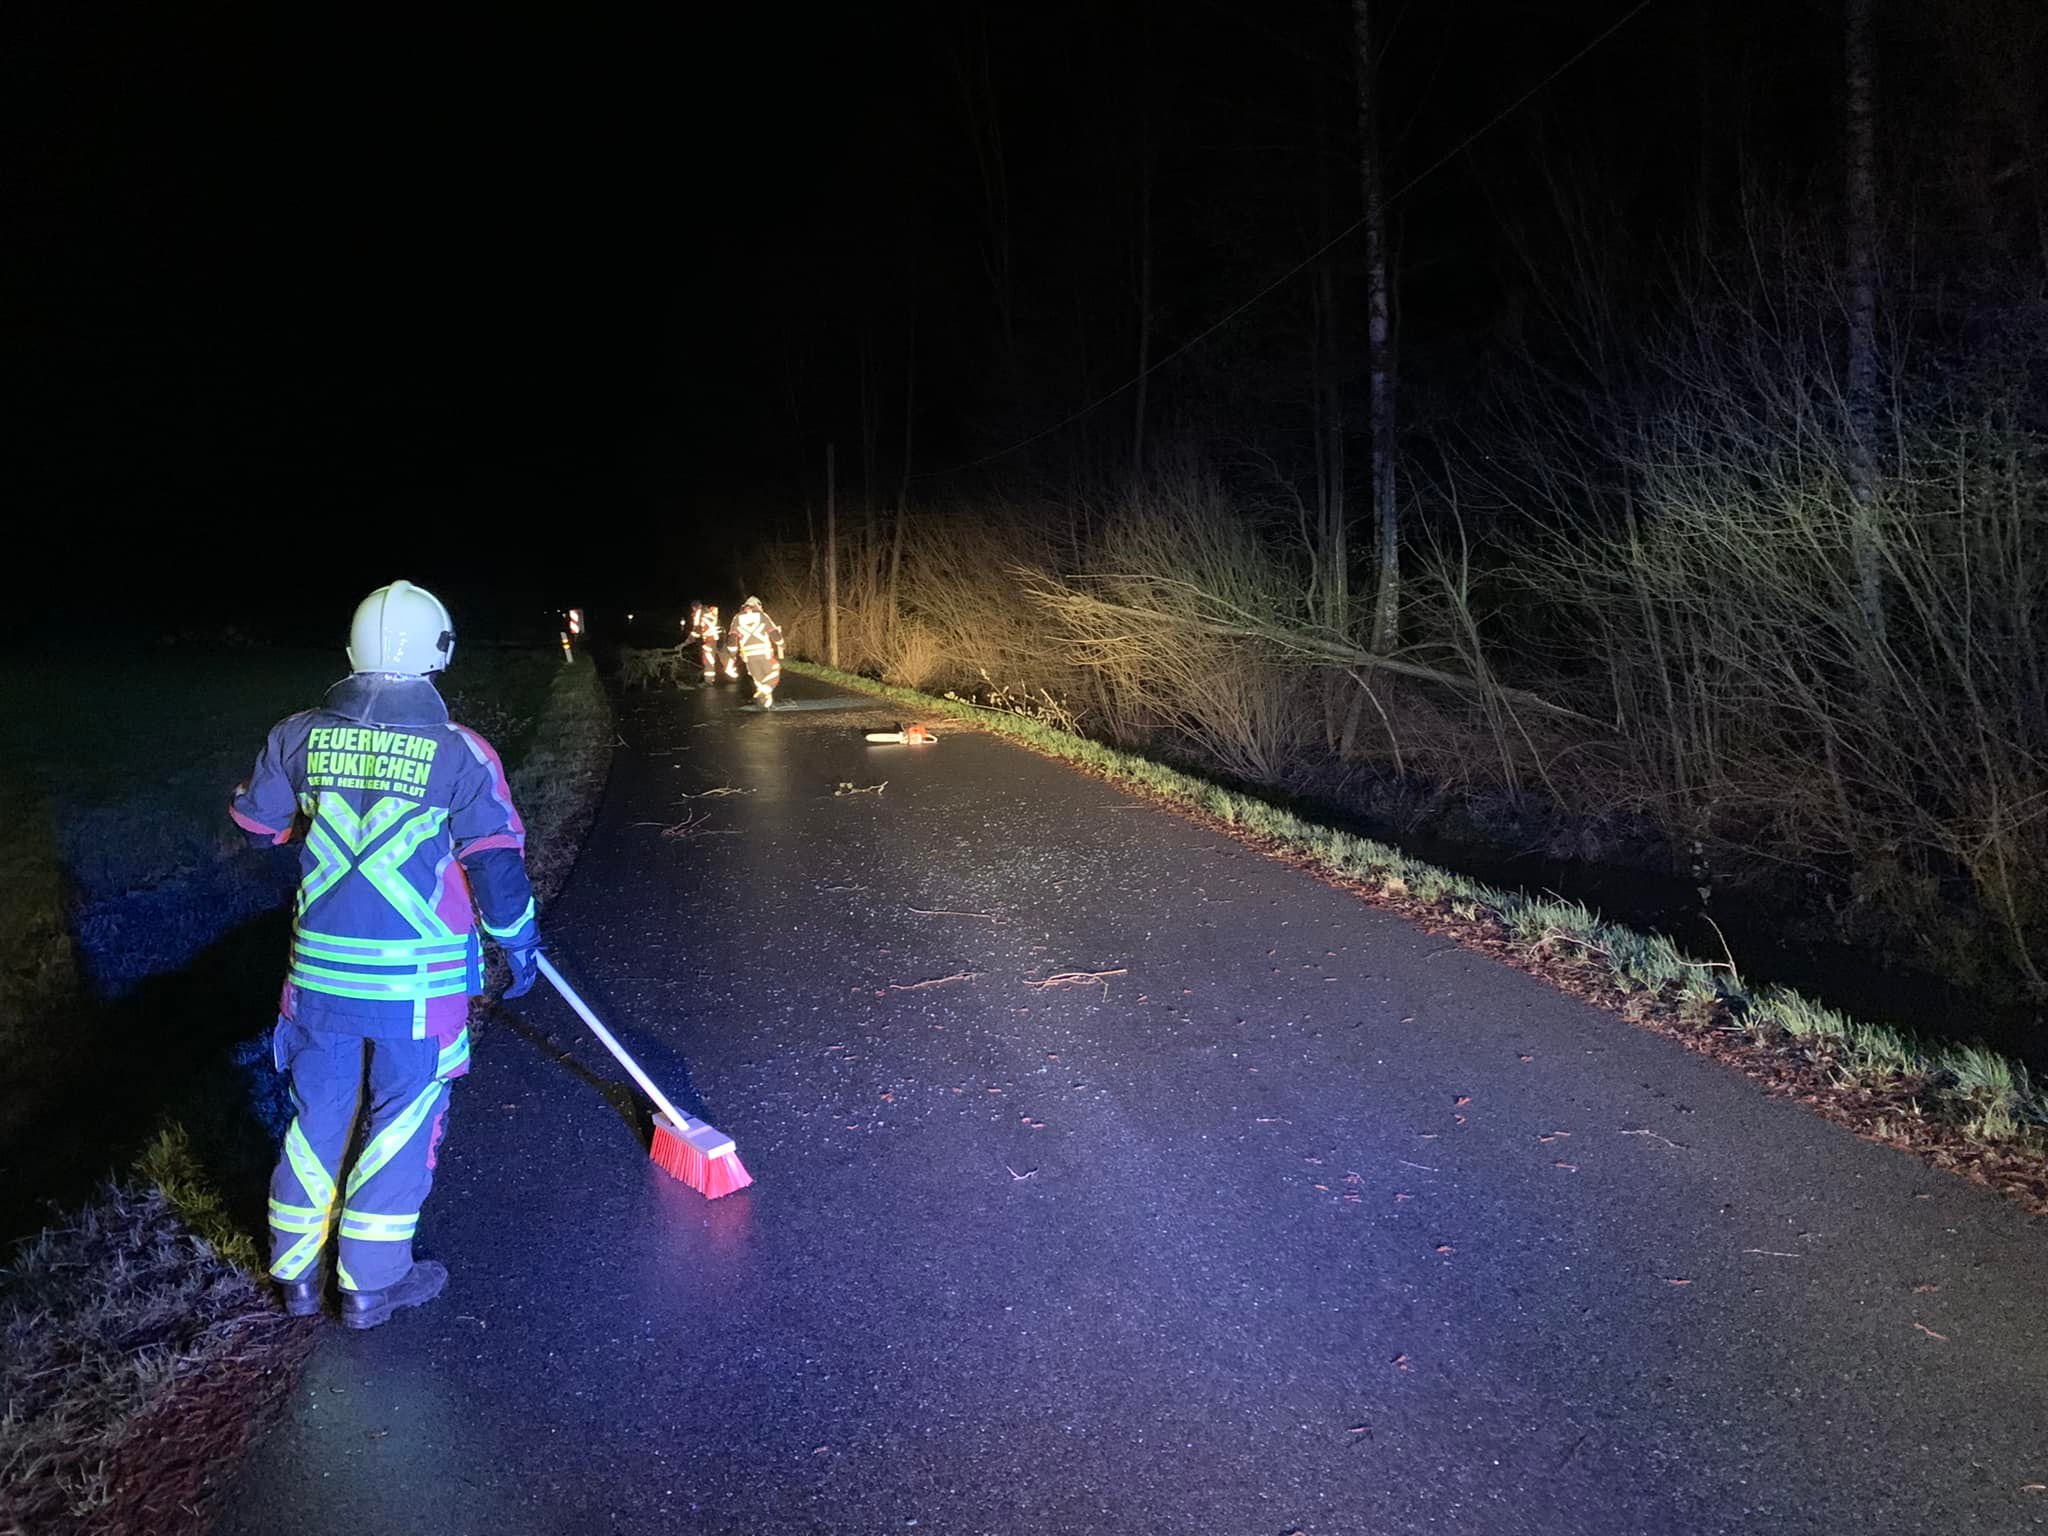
x,y
399,1089
764,668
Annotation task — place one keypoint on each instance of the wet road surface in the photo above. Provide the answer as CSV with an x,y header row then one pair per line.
x,y
1292,1218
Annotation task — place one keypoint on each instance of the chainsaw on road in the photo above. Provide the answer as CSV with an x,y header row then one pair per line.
x,y
909,736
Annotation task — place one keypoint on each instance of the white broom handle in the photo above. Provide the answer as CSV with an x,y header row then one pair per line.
x,y
676,1117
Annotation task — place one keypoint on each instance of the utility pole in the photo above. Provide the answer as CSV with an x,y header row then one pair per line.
x,y
831,556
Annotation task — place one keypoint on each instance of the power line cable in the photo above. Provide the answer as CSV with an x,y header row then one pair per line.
x,y
1306,262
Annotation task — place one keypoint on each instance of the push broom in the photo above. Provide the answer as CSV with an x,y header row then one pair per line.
x,y
686,1149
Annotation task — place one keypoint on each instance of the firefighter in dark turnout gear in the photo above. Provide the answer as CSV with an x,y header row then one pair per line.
x,y
757,639
409,842
704,630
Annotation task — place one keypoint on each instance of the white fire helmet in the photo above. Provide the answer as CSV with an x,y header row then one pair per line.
x,y
401,628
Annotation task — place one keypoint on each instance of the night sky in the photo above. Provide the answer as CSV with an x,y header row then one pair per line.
x,y
558,309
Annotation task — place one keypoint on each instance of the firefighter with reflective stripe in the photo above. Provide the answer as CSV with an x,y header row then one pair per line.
x,y
757,638
408,843
704,630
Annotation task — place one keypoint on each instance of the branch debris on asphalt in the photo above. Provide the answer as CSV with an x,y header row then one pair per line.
x,y
1078,979
932,981
696,824
1653,1136
845,787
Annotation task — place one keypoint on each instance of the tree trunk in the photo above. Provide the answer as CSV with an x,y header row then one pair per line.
x,y
895,608
1333,557
1144,390
1386,614
870,431
975,76
1862,390
831,556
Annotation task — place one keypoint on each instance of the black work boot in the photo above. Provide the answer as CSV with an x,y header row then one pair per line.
x,y
302,1296
417,1286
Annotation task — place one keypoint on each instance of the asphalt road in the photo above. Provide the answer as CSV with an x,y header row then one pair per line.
x,y
1296,1219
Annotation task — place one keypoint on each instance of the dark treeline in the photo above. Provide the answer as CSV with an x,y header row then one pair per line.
x,y
989,202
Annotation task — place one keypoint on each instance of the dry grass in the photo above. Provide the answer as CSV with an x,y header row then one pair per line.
x,y
1898,761
101,1319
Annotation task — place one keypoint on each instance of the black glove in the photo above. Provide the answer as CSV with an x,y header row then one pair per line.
x,y
525,963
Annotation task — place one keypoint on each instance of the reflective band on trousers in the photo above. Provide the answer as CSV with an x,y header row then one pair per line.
x,y
369,1226
308,1222
394,1136
297,1218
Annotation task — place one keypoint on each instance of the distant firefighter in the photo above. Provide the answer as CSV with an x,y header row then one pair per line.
x,y
704,630
757,638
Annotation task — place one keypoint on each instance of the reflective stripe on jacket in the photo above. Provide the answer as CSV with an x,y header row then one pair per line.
x,y
409,841
753,633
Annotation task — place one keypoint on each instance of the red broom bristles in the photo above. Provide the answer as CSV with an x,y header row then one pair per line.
x,y
710,1176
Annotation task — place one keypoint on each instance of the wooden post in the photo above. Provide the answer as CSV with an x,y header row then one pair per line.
x,y
831,557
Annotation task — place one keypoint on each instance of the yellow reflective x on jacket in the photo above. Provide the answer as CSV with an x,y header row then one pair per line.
x,y
406,825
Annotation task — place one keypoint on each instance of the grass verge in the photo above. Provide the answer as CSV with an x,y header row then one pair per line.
x,y
139,1342
1962,1107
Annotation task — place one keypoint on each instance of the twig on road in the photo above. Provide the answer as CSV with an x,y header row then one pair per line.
x,y
723,789
942,912
1774,1253
1078,979
1423,1166
1021,1177
931,981
696,824
1676,1146
846,788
